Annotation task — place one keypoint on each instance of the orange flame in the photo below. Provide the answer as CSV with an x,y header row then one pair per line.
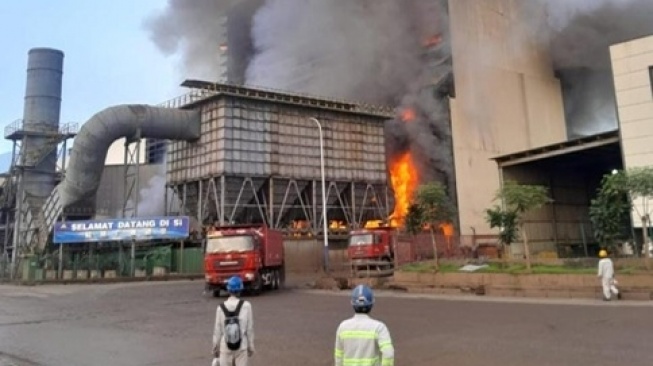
x,y
372,224
432,41
408,115
447,229
300,224
335,224
403,177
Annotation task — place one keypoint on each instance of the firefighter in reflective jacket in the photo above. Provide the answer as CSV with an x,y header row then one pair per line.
x,y
361,340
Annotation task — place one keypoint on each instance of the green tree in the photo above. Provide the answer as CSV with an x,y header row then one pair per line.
x,y
432,208
640,188
609,209
413,219
506,222
518,199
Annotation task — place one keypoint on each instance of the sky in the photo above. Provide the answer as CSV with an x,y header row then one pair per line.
x,y
109,58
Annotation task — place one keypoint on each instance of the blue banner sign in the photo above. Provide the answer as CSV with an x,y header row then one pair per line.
x,y
139,228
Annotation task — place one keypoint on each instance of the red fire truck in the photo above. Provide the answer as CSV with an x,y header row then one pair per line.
x,y
253,252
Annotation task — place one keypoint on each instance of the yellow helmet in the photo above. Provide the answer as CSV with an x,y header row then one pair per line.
x,y
603,253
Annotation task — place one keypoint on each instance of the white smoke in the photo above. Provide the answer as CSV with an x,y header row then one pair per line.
x,y
152,195
151,198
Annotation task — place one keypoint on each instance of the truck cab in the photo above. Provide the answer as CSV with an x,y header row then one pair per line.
x,y
255,254
369,246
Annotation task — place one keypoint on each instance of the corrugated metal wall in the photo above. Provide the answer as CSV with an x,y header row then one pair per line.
x,y
258,161
111,192
565,223
248,137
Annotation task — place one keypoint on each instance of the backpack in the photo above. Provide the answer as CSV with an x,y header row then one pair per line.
x,y
232,326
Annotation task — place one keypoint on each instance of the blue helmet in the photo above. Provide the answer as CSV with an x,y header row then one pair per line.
x,y
234,285
362,298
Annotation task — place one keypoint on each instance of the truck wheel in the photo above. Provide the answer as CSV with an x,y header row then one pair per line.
x,y
216,293
257,285
282,277
275,279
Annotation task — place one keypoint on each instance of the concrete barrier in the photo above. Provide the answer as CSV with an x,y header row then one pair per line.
x,y
636,287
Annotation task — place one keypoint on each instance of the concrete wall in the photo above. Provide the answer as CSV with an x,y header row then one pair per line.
x,y
631,66
307,256
507,98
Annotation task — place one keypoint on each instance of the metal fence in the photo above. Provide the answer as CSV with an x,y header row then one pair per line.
x,y
415,248
113,262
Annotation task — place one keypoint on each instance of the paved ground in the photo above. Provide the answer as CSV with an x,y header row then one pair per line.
x,y
170,324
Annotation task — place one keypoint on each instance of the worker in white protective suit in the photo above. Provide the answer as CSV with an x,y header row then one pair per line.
x,y
606,273
361,340
233,334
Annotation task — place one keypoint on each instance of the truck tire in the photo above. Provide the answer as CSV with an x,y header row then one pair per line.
x,y
216,293
282,277
275,280
389,263
257,285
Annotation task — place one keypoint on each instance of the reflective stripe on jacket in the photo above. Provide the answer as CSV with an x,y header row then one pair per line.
x,y
363,341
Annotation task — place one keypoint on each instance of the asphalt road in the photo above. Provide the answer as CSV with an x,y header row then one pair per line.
x,y
171,323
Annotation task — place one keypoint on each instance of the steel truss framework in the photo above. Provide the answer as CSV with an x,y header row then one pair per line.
x,y
17,208
291,205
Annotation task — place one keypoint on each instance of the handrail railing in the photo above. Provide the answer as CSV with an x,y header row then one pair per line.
x,y
70,128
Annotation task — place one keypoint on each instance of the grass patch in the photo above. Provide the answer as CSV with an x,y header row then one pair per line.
x,y
429,267
510,268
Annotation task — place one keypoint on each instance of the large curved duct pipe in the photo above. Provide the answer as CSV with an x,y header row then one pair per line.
x,y
90,151
98,133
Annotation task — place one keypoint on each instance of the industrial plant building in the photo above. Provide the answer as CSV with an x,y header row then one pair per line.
x,y
512,118
238,154
258,160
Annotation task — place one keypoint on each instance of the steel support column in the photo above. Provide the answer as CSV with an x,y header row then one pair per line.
x,y
200,208
243,200
184,200
271,202
353,224
316,224
165,200
132,184
223,186
216,200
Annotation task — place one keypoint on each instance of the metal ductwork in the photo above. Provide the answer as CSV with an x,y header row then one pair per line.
x,y
90,150
130,121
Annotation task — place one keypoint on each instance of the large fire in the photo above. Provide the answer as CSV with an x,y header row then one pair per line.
x,y
404,179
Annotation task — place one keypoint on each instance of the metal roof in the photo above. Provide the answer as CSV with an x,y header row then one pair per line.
x,y
576,145
210,90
